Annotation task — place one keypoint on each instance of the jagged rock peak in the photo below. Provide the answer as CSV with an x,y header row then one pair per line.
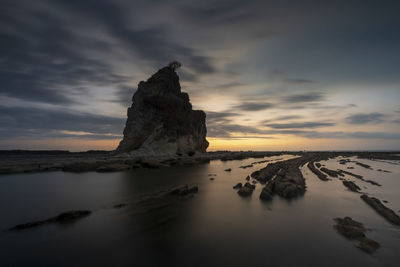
x,y
161,119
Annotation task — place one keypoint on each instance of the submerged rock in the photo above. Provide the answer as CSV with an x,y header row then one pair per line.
x,y
319,174
352,229
245,191
113,168
351,174
65,217
237,186
363,165
266,194
331,173
161,119
246,166
249,185
359,177
368,245
186,190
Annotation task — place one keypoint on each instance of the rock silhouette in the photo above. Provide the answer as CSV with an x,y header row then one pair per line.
x,y
161,119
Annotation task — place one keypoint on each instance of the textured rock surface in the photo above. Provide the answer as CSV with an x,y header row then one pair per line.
x,y
161,119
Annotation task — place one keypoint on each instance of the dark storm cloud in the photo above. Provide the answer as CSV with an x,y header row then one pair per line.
x,y
253,106
300,125
366,118
54,49
43,60
28,122
152,44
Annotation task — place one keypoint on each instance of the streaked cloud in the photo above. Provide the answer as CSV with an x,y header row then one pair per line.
x,y
366,118
303,125
304,98
253,106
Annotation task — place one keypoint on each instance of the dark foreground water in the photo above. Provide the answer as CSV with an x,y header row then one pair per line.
x,y
216,227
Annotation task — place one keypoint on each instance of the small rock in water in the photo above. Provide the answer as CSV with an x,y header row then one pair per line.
x,y
384,211
246,166
65,217
237,186
368,245
352,229
352,186
228,170
184,190
266,194
245,191
212,178
249,185
248,178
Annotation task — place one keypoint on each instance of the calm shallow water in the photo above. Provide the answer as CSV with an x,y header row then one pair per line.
x,y
216,227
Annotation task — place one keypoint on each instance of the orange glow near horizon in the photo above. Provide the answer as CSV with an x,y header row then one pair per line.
x,y
277,143
70,144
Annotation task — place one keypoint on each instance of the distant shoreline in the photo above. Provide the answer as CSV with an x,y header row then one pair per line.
x,y
28,161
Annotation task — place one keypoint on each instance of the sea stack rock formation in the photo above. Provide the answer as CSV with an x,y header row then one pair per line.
x,y
161,119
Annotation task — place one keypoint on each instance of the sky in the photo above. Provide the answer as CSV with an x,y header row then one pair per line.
x,y
270,75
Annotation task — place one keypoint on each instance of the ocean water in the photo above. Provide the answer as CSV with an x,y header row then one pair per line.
x,y
216,227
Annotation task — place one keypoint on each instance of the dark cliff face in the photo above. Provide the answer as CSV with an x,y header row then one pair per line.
x,y
161,119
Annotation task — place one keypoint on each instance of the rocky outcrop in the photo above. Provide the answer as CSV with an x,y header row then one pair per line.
x,y
384,211
283,177
161,119
351,186
319,174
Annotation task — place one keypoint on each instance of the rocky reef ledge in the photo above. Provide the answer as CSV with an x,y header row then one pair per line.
x,y
285,178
